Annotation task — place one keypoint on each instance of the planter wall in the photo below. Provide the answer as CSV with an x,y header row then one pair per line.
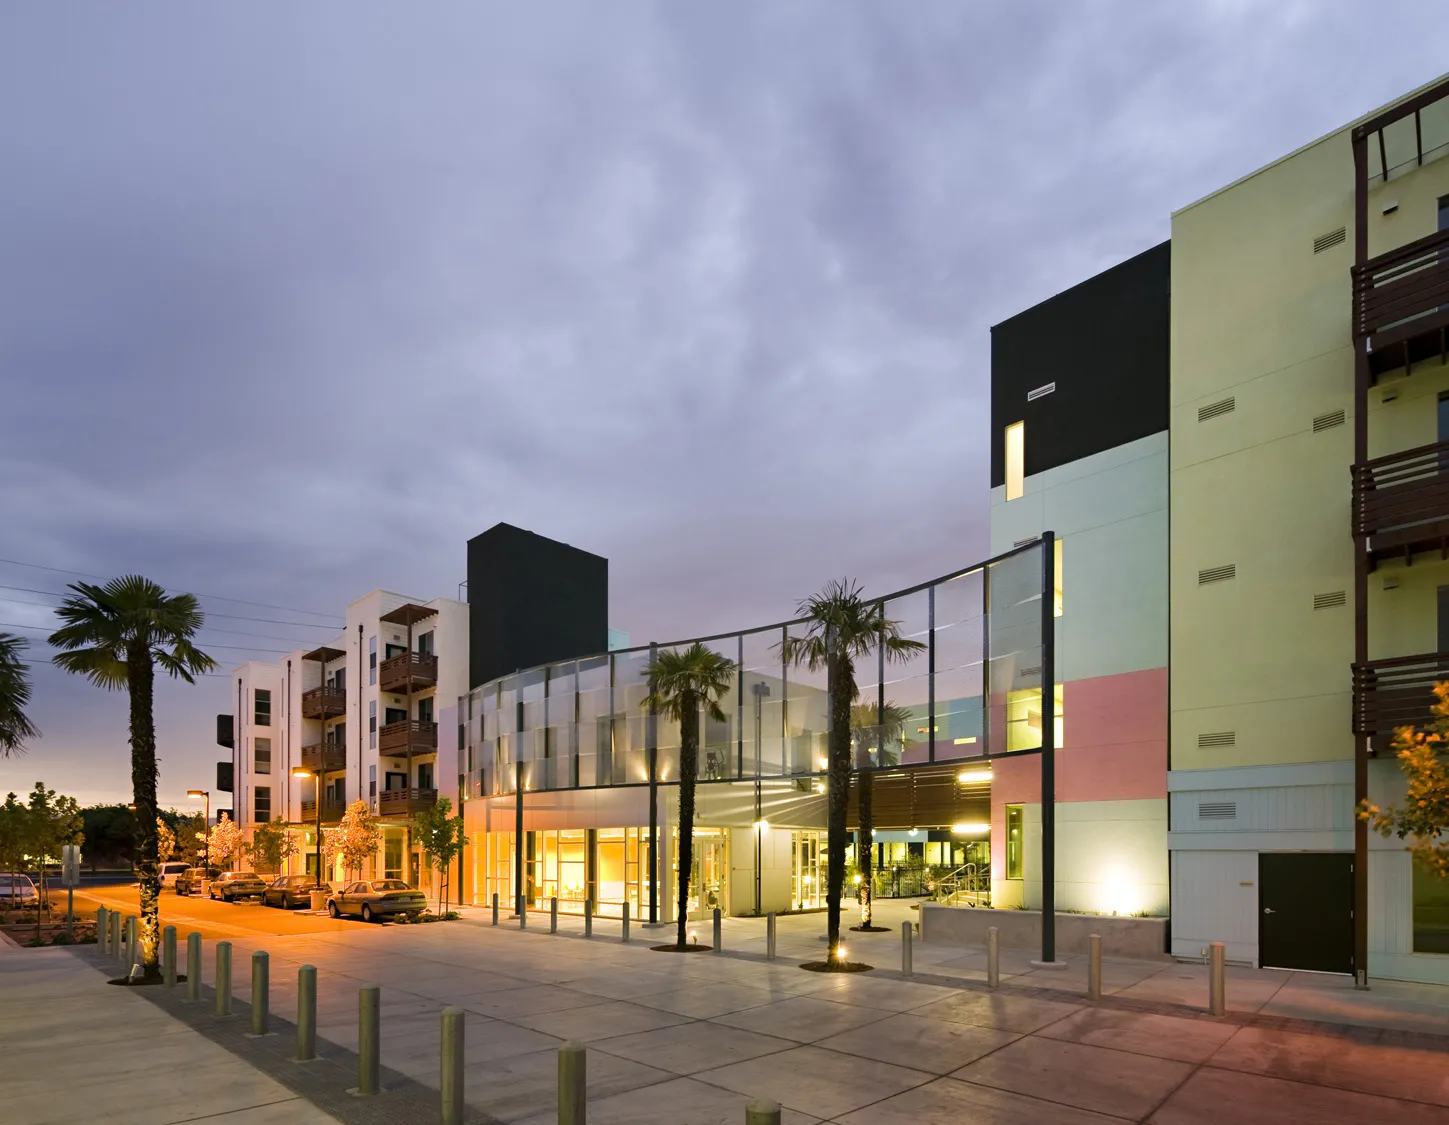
x,y
1141,938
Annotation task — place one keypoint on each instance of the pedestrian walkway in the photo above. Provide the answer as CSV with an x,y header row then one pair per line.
x,y
74,1049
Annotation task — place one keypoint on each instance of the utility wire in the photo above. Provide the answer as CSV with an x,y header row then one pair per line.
x,y
209,613
213,597
205,628
238,648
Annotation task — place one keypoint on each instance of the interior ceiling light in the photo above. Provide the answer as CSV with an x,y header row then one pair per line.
x,y
969,777
970,828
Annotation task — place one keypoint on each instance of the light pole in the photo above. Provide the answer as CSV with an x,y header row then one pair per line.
x,y
303,771
199,795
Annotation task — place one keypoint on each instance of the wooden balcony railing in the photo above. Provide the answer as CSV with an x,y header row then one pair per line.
x,y
405,802
1388,694
332,811
1401,301
325,757
324,703
414,737
1401,501
419,667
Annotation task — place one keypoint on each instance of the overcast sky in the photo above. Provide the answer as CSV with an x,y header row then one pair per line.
x,y
296,298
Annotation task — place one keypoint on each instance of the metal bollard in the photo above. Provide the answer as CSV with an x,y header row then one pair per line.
x,y
761,1112
369,1059
130,949
624,929
993,958
1218,979
306,1013
261,986
116,934
553,915
102,926
572,1084
718,931
1094,967
588,917
522,913
905,949
770,936
168,956
451,1078
193,966
223,978
495,908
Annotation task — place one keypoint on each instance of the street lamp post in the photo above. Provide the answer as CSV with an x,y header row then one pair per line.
x,y
199,795
302,771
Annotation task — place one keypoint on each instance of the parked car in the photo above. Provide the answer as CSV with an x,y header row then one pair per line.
x,y
232,885
16,889
169,873
288,891
376,898
189,881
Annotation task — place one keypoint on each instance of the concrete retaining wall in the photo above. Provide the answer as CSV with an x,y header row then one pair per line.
x,y
1143,938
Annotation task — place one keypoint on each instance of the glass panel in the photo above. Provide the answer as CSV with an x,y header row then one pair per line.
x,y
807,717
1431,911
763,687
960,679
907,687
594,721
1015,841
630,688
1014,593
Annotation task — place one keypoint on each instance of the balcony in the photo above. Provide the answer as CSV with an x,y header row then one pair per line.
x,y
324,703
1388,694
1401,502
332,811
409,671
408,737
325,757
1401,303
405,802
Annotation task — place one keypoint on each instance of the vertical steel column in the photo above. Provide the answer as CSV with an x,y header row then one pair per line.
x,y
1360,564
651,755
930,672
989,747
1048,752
518,815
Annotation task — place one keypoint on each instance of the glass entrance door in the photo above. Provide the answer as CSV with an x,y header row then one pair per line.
x,y
709,872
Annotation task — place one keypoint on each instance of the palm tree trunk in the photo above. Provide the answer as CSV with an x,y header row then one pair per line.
x,y
841,690
688,775
865,846
141,679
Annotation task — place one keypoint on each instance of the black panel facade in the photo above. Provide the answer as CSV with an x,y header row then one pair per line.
x,y
532,600
1104,343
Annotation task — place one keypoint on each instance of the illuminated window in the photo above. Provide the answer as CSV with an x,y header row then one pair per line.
x,y
1057,580
1013,841
1015,460
1023,719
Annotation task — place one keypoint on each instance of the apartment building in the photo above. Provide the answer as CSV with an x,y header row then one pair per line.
x,y
361,714
1309,434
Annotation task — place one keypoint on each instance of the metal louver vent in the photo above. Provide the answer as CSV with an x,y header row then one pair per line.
x,y
1217,574
1327,241
1024,542
1217,810
1217,738
1327,421
1040,392
1217,409
1032,671
1330,600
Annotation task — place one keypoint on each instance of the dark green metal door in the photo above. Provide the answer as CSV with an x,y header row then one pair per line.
x,y
1305,904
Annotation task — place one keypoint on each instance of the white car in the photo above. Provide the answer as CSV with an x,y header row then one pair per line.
x,y
169,871
17,889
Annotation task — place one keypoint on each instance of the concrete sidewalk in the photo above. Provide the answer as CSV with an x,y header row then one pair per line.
x,y
73,1049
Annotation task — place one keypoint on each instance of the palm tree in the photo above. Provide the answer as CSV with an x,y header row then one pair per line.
x,y
680,683
114,635
841,627
878,736
15,728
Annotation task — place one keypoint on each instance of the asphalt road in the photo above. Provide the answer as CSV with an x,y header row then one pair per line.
x,y
211,919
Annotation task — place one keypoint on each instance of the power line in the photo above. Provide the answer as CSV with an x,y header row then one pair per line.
x,y
213,597
195,675
205,628
238,648
209,613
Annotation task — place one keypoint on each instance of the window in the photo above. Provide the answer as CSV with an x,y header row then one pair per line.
x,y
425,642
1023,719
372,781
1444,618
1015,460
1057,579
262,803
394,715
338,679
462,736
425,775
1014,841
1431,911
262,707
425,710
339,735
261,755
372,723
372,660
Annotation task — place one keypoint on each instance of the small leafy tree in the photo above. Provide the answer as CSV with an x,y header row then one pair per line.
x,y
14,828
356,837
442,838
165,841
273,844
53,820
225,845
1424,815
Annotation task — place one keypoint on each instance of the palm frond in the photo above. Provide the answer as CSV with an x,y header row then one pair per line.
x,y
680,679
839,617
15,726
105,625
99,664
